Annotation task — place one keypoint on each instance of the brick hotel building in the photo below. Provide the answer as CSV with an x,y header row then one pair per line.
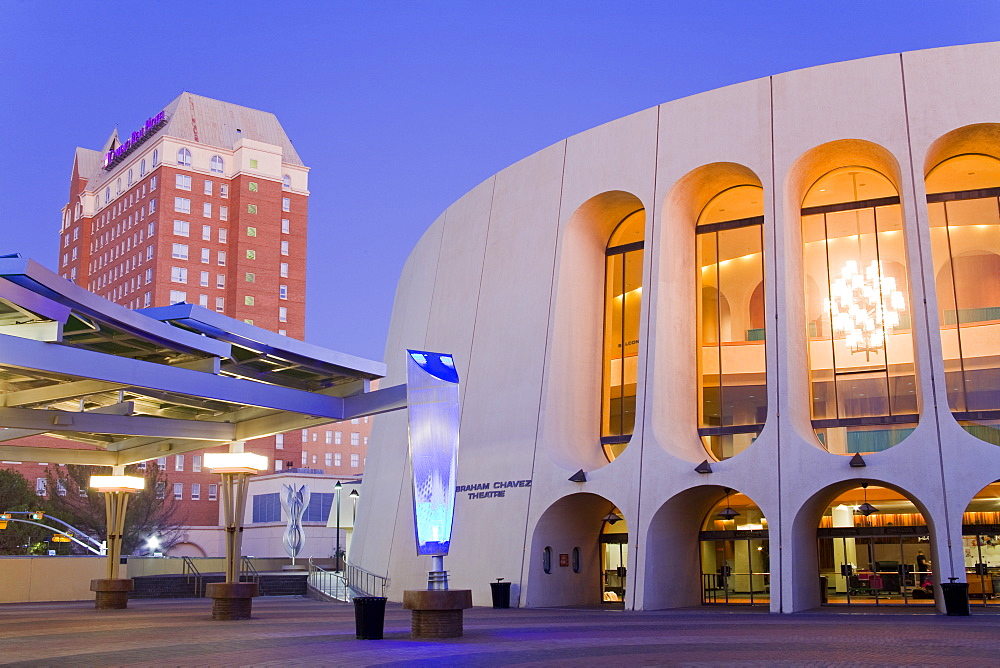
x,y
206,203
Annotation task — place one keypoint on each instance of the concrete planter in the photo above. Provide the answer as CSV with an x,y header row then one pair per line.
x,y
231,600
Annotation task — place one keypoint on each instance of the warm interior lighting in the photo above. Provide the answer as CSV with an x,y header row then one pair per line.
x,y
863,305
235,462
117,483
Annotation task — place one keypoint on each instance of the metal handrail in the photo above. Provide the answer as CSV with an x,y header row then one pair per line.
x,y
191,571
365,582
249,571
322,579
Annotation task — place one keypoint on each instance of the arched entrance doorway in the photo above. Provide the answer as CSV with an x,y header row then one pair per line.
x,y
579,554
735,553
873,548
981,546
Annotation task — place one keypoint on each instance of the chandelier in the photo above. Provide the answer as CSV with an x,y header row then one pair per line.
x,y
863,306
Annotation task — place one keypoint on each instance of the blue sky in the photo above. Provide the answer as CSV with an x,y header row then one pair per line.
x,y
399,108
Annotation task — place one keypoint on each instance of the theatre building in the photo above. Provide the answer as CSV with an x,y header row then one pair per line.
x,y
742,348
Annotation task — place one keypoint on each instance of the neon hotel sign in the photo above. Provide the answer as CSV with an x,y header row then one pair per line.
x,y
112,158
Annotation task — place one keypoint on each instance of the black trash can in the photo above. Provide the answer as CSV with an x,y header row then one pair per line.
x,y
956,598
501,594
369,617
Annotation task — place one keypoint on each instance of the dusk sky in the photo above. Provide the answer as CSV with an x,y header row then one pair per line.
x,y
399,108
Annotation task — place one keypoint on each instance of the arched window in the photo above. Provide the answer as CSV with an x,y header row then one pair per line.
x,y
963,200
107,195
862,381
119,186
732,369
622,302
286,181
156,157
216,165
184,157
142,168
131,180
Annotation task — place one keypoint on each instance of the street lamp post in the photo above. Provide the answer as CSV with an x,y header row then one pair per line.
x,y
336,554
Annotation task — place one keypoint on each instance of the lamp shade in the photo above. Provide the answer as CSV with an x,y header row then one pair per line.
x,y
117,483
235,462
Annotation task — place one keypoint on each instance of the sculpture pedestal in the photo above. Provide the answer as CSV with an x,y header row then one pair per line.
x,y
231,600
437,613
111,594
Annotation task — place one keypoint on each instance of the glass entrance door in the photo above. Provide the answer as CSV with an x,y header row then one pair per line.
x,y
735,568
614,557
982,563
875,566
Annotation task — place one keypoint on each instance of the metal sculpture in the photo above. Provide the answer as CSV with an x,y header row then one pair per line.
x,y
294,503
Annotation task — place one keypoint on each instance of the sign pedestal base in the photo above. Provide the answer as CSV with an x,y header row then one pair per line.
x,y
437,613
112,594
231,600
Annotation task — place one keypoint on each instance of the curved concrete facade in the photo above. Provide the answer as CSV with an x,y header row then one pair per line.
x,y
510,280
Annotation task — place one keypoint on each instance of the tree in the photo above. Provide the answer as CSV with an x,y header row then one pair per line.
x,y
149,512
16,493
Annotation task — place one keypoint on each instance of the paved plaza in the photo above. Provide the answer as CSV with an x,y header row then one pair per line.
x,y
297,631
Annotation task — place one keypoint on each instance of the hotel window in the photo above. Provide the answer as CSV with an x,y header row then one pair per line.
x,y
220,258
213,492
40,486
278,465
177,296
149,275
328,459
251,208
251,231
305,435
73,253
336,459
118,191
355,438
286,204
149,251
156,157
282,314
182,228
203,280
282,292
107,195
195,491
162,463
178,275
622,303
220,280
203,301
860,344
196,463
223,213
161,489
184,157
206,232
963,200
216,165
284,248
223,190
152,206
180,252
328,437
337,436
365,440
178,491
220,304
279,441
208,187
251,277
251,255
152,185
147,300
205,255
285,226
223,234
732,371
355,460
130,179
253,163
182,205
305,458
283,332
179,462
248,300
183,182
206,210
283,270
286,181
253,186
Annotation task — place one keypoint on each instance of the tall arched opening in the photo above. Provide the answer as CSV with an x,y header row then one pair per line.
x,y
579,554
